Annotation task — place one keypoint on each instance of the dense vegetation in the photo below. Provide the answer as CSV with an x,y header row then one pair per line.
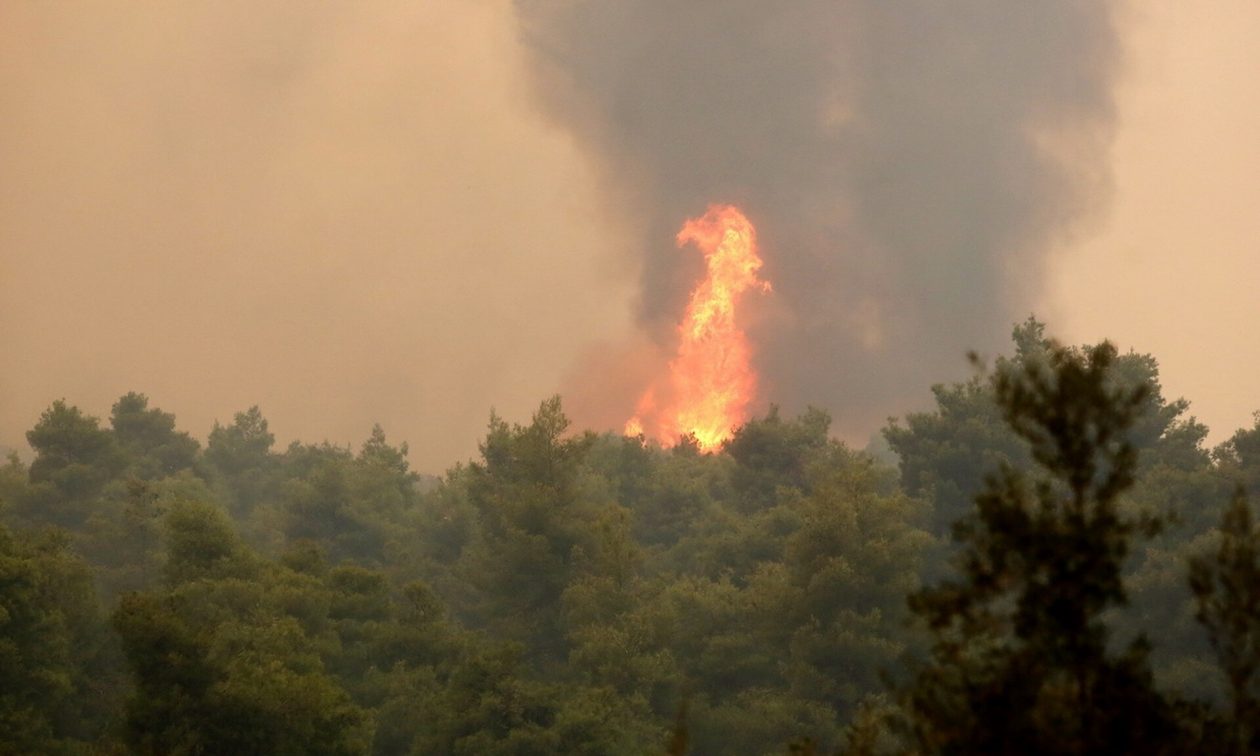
x,y
1050,561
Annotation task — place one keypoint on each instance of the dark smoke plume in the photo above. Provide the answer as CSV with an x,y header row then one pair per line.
x,y
908,163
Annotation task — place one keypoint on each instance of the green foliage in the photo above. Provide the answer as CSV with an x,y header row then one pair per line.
x,y
202,544
1240,456
774,619
224,658
531,524
946,455
74,459
149,437
572,593
1020,657
60,681
849,567
771,453
1227,594
320,504
14,483
241,454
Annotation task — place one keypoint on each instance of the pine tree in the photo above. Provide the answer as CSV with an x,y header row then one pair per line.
x,y
1020,660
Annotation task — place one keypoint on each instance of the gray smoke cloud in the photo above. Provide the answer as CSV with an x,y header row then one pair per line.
x,y
908,163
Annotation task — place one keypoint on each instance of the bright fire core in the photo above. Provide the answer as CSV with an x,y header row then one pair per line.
x,y
711,380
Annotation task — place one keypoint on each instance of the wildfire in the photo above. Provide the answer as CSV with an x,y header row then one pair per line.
x,y
711,380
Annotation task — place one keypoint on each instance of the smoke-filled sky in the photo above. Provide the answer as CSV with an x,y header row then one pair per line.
x,y
409,213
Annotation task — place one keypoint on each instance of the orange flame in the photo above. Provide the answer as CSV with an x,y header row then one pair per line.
x,y
711,380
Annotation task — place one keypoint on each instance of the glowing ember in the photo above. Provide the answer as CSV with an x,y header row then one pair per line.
x,y
711,380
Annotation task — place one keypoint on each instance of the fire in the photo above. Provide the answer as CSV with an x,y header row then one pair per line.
x,y
711,380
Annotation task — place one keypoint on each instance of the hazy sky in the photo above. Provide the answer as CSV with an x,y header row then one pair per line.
x,y
1173,267
346,213
358,213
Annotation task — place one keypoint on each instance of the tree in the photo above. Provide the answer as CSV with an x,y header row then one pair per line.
x,y
1020,660
59,687
241,452
226,657
531,519
243,444
74,459
322,500
1240,457
14,484
149,437
771,453
1227,593
241,685
946,454
849,568
202,544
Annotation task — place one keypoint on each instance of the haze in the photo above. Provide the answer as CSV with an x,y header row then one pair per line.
x,y
381,212
344,215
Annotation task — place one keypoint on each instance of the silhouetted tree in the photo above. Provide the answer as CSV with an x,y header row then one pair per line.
x,y
1227,593
1020,662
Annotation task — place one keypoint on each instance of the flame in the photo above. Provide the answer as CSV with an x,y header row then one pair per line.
x,y
711,380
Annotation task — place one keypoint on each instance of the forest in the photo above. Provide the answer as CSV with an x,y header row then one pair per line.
x,y
1051,560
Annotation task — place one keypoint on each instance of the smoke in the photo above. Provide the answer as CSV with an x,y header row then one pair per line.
x,y
355,213
346,213
908,165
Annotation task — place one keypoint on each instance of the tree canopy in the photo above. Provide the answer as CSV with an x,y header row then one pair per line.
x,y
1052,562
